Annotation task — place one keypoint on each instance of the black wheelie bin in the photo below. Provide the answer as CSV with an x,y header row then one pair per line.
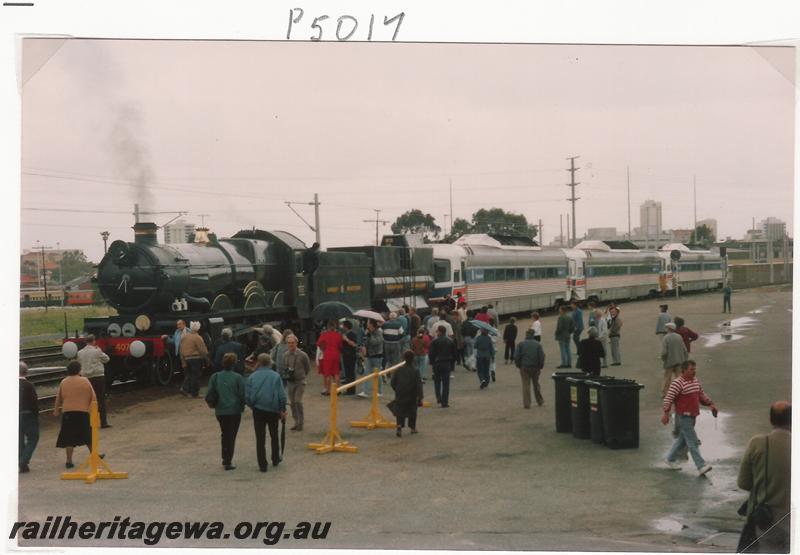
x,y
580,409
619,409
562,404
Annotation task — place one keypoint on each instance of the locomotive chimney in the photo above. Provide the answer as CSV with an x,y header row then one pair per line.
x,y
145,233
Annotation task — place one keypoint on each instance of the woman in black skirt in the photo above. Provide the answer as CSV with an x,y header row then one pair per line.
x,y
73,403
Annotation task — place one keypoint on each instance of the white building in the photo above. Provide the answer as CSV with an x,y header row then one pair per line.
x,y
650,219
774,229
178,231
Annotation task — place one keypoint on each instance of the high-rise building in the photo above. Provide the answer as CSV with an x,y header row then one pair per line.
x,y
774,229
650,219
178,231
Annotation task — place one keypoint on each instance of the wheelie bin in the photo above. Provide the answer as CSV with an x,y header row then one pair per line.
x,y
619,408
595,408
562,404
580,409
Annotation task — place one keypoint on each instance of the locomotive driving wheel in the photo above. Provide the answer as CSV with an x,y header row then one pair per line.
x,y
162,369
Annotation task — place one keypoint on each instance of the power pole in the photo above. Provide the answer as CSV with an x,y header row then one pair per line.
x,y
541,233
316,219
104,235
569,240
561,229
60,276
628,168
451,204
315,228
377,221
44,274
694,190
572,169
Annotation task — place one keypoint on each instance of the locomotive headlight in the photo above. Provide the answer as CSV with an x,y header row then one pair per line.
x,y
128,330
142,322
114,330
69,350
137,349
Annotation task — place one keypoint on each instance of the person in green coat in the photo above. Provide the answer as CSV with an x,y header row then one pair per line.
x,y
226,396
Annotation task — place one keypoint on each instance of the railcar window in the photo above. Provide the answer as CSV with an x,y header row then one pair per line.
x,y
489,275
441,270
457,276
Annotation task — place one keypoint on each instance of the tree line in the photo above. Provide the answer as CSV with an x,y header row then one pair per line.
x,y
497,221
492,220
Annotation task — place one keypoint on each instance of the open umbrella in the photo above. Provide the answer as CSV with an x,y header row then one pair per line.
x,y
484,326
331,310
369,314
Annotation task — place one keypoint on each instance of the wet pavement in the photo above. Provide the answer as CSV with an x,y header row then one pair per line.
x,y
483,474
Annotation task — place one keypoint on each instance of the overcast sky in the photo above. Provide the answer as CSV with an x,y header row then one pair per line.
x,y
234,129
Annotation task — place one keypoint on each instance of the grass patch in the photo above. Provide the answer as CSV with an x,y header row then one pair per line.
x,y
35,321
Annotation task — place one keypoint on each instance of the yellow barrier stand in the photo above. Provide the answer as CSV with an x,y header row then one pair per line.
x,y
332,440
94,468
374,419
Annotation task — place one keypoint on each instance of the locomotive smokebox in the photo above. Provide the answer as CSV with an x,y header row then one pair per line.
x,y
145,233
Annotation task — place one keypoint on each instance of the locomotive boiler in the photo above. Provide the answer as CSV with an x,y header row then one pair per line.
x,y
247,280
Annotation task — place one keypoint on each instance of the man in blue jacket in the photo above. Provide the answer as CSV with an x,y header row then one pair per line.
x,y
228,345
264,394
577,319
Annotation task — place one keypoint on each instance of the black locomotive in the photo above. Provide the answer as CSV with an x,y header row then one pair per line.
x,y
252,278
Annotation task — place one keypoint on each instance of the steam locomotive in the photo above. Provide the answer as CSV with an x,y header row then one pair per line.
x,y
250,279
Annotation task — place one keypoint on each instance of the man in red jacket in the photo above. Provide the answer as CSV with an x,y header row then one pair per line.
x,y
686,393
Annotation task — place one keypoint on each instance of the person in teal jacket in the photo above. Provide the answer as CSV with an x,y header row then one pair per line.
x,y
226,395
264,393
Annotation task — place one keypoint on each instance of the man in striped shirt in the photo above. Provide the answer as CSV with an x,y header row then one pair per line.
x,y
686,393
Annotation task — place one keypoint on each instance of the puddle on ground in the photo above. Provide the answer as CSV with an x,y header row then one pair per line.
x,y
715,339
713,443
668,525
713,439
742,322
729,329
759,310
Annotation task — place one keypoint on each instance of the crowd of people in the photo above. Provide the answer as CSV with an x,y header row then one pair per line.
x,y
275,373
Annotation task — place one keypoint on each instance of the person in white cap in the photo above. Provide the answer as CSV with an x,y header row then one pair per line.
x,y
273,334
673,354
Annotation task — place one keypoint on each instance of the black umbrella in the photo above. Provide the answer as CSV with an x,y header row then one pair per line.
x,y
331,310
